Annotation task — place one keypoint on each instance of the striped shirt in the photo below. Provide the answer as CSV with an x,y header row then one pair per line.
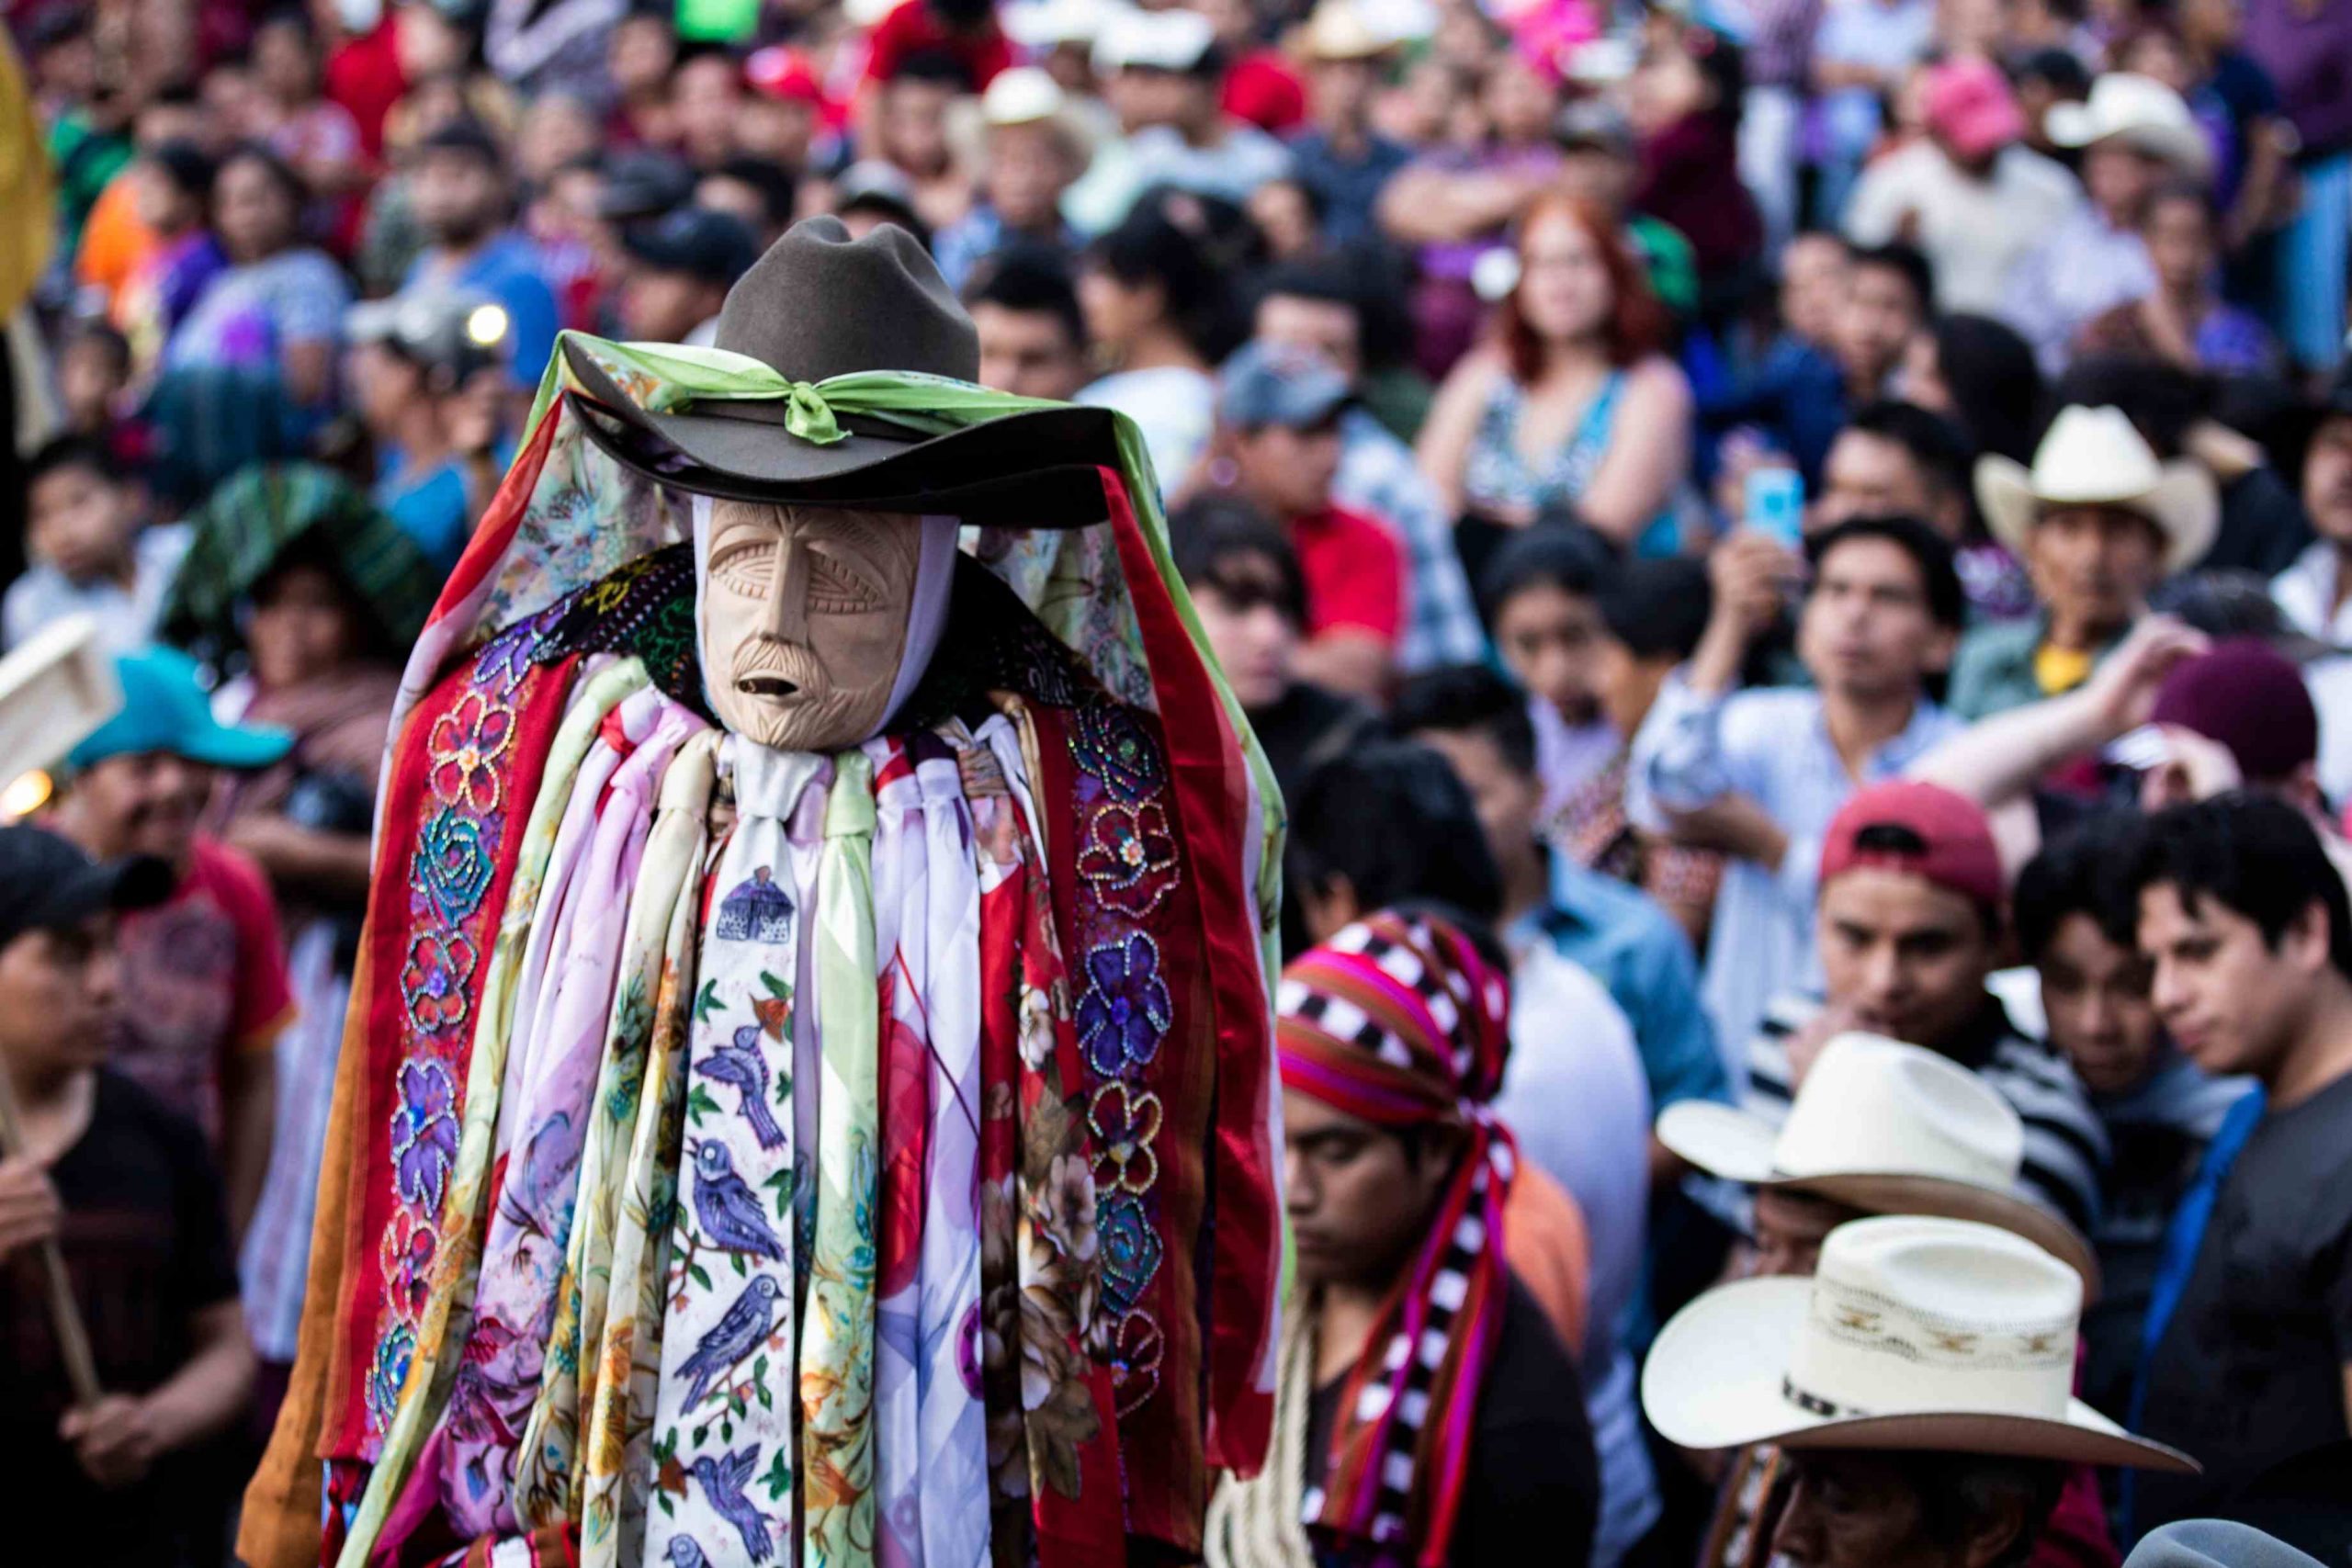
x,y
2066,1146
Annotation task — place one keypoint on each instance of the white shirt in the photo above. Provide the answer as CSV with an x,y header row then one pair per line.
x,y
1176,407
1973,231
2305,593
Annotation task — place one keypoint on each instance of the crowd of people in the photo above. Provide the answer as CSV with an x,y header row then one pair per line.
x,y
1791,560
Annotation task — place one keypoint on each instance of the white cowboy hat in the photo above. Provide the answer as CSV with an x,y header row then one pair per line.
x,y
1024,95
2214,1543
1914,1334
1338,31
1044,24
1890,1129
1156,40
2142,111
2095,457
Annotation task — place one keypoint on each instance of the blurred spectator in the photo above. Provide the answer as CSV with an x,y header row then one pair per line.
x,y
463,200
87,550
1981,375
2076,914
2303,50
318,138
1157,310
1685,98
1339,156
1033,335
1896,457
204,972
276,314
1346,855
908,132
2096,522
1161,70
1027,145
125,1189
1251,598
2181,319
2133,133
427,368
1889,298
1968,194
781,121
1288,217
1601,166
1263,87
680,271
1322,307
1452,204
761,194
2314,592
966,30
1859,60
1572,406
1651,616
641,51
870,192
1757,775
173,193
1278,434
2044,79
1540,594
93,384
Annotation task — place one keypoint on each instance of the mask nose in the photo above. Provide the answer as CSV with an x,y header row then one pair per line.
x,y
787,607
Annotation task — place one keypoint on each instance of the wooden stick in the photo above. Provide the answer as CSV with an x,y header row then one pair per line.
x,y
64,1313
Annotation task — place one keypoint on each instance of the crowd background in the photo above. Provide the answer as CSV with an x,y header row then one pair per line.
x,y
1600,439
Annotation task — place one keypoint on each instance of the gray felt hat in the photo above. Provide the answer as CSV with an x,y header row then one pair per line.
x,y
820,304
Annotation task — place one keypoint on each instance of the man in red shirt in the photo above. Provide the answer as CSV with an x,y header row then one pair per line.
x,y
204,987
1278,431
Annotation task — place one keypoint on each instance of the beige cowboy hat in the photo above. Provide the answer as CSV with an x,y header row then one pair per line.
x,y
1889,1129
1915,1333
1025,95
1338,31
2093,456
2140,110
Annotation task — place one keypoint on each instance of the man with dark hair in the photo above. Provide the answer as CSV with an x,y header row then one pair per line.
x,y
1896,459
1324,306
758,191
1033,337
2246,921
679,268
1890,295
1758,774
464,203
2077,912
1910,925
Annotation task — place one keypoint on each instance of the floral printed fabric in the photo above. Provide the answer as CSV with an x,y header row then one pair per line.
x,y
452,1247
726,1481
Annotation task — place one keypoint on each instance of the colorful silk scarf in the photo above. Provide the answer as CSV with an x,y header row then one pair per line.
x,y
1397,1021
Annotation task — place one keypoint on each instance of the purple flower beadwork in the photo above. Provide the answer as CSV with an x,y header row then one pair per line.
x,y
1126,1010
425,1133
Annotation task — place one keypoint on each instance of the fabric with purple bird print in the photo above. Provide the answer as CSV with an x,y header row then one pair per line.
x,y
724,1403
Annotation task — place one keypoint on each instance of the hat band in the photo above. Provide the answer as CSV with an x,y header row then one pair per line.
x,y
1813,1403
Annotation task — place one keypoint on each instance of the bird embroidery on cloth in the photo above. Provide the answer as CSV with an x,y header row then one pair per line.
x,y
724,1205
722,1481
742,1065
735,1335
685,1553
535,1181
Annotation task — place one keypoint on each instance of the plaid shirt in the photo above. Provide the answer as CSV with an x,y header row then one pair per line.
x,y
1377,477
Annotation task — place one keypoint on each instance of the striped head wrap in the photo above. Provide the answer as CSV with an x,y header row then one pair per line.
x,y
1401,1021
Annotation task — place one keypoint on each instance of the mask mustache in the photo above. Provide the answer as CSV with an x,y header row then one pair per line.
x,y
764,660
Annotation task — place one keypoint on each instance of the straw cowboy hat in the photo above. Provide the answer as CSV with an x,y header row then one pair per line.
x,y
1338,31
2140,110
820,304
1890,1129
1024,95
1914,1334
2095,457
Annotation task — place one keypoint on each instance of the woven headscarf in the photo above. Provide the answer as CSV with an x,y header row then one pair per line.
x,y
1399,1021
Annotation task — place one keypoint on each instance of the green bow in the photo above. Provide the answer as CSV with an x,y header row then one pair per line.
x,y
808,415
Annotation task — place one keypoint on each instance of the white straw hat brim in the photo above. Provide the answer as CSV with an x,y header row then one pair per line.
x,y
1714,1381
2184,506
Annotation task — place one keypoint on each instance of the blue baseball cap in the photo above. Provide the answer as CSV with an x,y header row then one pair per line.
x,y
1278,384
164,709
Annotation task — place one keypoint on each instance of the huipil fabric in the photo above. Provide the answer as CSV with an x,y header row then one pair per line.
x,y
1399,1021
722,1435
561,520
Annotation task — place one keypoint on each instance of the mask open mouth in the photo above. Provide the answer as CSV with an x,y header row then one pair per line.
x,y
765,686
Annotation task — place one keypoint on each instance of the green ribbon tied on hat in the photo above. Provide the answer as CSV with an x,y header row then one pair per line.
x,y
808,415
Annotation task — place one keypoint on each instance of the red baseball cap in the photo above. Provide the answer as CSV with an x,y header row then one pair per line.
x,y
786,74
1970,107
1956,842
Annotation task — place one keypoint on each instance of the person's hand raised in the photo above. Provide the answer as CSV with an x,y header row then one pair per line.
x,y
29,1206
1750,573
2122,690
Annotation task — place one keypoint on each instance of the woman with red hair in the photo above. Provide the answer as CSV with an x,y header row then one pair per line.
x,y
1570,405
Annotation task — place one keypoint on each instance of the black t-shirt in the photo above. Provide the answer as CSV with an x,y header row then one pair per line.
x,y
146,1242
2251,1369
1532,1493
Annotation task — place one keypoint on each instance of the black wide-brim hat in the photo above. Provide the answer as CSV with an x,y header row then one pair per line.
x,y
820,304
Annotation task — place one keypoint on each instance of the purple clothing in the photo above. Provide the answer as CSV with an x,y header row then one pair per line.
x,y
1690,179
1452,260
2307,48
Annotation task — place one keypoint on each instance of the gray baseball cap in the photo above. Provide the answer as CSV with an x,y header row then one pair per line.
x,y
454,331
1280,384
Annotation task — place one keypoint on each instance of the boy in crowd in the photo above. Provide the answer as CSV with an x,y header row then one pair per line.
x,y
2076,913
2245,923
1032,336
89,554
1890,295
127,1192
1910,925
204,985
1758,775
